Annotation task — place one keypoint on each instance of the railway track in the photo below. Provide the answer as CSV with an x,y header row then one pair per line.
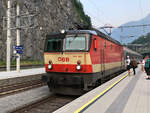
x,y
45,105
15,88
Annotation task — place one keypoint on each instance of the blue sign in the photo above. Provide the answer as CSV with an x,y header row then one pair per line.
x,y
17,56
19,51
19,47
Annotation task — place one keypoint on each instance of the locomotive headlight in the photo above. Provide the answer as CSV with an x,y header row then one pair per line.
x,y
78,67
63,31
50,66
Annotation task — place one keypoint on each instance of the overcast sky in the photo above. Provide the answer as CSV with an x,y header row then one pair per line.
x,y
115,12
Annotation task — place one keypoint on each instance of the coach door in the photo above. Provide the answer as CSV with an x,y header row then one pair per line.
x,y
121,59
102,62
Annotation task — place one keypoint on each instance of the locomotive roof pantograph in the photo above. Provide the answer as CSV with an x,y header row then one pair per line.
x,y
92,32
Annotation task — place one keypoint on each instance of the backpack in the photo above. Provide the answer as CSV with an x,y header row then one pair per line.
x,y
133,63
147,63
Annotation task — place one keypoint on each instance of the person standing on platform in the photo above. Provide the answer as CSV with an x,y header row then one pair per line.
x,y
143,64
147,67
128,64
133,65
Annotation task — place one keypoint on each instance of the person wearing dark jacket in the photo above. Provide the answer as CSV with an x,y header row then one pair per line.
x,y
133,65
147,67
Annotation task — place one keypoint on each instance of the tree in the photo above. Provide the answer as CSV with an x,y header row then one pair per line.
x,y
84,18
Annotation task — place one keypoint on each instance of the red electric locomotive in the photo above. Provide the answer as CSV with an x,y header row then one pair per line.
x,y
78,60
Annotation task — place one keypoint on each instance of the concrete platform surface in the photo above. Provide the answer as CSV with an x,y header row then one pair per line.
x,y
129,95
13,77
24,72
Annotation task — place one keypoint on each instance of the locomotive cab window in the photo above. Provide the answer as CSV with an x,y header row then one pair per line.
x,y
53,45
75,43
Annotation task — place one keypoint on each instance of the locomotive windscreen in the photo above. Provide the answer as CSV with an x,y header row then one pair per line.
x,y
53,45
75,43
62,43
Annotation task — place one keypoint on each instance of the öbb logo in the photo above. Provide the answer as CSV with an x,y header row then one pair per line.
x,y
63,59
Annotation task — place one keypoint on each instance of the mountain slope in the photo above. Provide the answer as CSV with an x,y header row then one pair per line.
x,y
125,33
142,40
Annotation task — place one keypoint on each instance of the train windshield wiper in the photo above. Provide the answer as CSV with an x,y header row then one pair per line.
x,y
75,43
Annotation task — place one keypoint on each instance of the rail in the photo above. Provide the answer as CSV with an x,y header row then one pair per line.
x,y
14,88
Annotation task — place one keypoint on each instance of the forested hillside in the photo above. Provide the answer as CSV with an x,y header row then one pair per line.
x,y
141,44
145,39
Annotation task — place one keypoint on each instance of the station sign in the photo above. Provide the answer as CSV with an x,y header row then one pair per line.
x,y
19,51
18,47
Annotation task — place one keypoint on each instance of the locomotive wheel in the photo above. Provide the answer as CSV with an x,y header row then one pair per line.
x,y
98,83
49,86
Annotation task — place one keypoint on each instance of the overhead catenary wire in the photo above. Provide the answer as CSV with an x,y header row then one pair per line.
x,y
99,11
126,26
94,17
141,10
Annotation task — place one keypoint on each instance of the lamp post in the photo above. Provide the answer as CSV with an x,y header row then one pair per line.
x,y
18,37
8,34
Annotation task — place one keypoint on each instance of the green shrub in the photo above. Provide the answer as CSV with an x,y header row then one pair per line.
x,y
23,62
85,18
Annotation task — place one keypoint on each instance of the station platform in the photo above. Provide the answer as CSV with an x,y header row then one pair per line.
x,y
123,94
13,77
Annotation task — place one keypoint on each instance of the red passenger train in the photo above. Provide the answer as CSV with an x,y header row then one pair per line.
x,y
78,60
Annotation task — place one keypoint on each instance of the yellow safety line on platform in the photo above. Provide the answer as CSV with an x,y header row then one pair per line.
x,y
91,101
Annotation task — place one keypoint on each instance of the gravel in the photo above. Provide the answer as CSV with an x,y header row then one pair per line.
x,y
11,102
